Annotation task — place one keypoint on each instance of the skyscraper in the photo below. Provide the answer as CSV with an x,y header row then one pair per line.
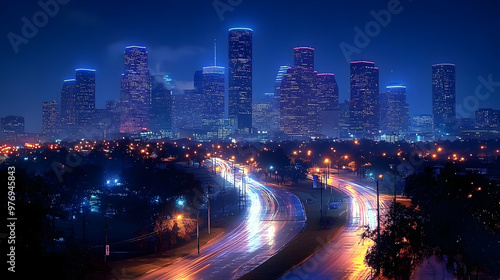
x,y
299,107
68,103
11,127
161,104
328,103
85,96
264,116
113,108
443,96
328,92
394,111
213,97
240,77
187,109
277,92
364,110
50,118
487,118
304,57
135,91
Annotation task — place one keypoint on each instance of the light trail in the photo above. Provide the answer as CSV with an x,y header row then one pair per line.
x,y
273,218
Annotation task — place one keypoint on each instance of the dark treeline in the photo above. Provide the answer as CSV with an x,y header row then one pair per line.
x,y
53,191
454,215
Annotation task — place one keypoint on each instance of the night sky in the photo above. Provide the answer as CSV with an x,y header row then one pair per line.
x,y
179,36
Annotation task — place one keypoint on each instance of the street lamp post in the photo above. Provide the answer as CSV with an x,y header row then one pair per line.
x,y
380,177
224,193
327,162
198,230
208,198
321,202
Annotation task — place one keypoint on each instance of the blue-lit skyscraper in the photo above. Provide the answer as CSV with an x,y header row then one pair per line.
x,y
68,103
443,96
277,91
394,111
135,91
364,110
240,77
85,96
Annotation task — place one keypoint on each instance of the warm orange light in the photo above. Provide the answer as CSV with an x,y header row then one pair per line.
x,y
179,217
327,160
434,156
346,157
440,149
251,159
309,152
454,155
208,154
232,157
384,154
295,152
356,142
143,151
317,169
187,155
380,176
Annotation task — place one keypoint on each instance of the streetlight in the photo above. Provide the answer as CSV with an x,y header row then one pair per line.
x,y
380,177
327,162
179,217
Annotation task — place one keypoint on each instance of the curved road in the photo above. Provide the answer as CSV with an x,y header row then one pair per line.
x,y
343,258
273,218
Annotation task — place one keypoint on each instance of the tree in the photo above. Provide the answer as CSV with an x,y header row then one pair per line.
x,y
399,249
461,218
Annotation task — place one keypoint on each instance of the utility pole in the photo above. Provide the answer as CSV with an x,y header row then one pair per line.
x,y
208,214
234,176
83,224
321,204
224,193
198,230
106,240
395,181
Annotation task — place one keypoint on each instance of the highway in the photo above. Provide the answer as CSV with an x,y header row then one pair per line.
x,y
273,218
343,258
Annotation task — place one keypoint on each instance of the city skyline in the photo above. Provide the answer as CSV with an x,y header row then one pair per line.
x,y
179,55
